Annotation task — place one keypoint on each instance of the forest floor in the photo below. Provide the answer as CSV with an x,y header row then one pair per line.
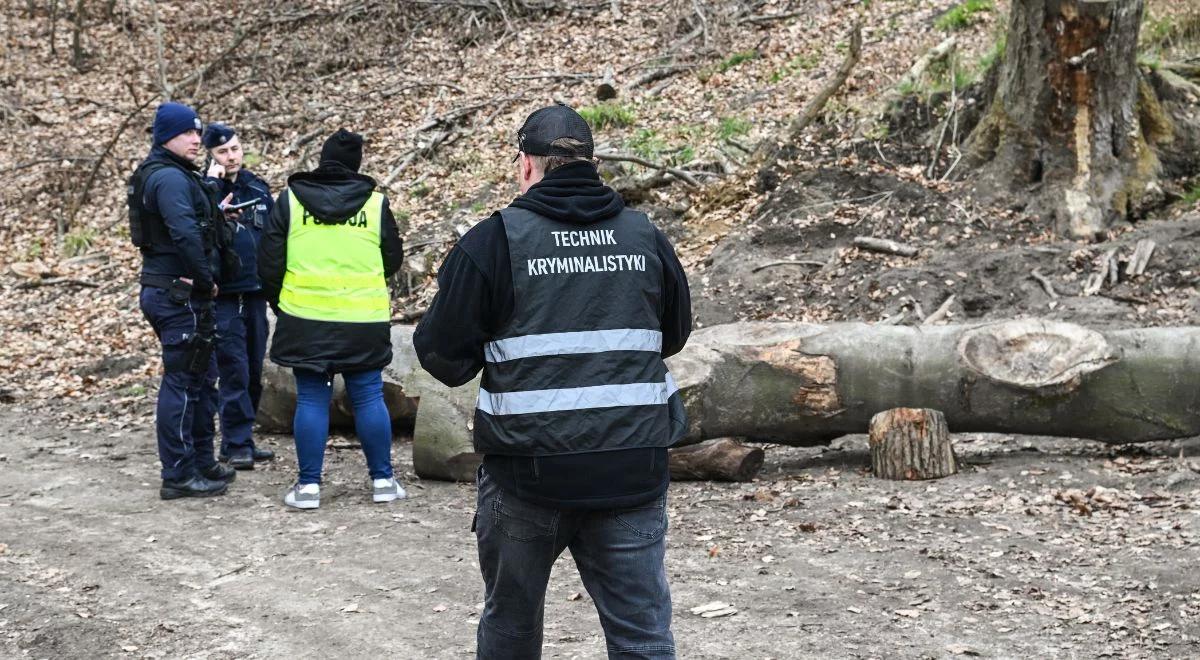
x,y
1037,548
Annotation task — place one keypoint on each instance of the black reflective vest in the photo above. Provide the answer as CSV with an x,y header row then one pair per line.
x,y
578,367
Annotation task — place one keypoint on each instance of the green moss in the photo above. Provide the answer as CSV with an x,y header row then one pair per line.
x,y
1192,196
420,191
605,115
963,15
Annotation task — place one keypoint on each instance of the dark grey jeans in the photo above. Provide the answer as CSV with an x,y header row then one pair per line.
x,y
619,554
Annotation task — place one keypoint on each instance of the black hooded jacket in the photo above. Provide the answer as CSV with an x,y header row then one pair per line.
x,y
475,300
330,192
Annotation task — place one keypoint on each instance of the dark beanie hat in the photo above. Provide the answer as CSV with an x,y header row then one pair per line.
x,y
171,119
216,134
343,147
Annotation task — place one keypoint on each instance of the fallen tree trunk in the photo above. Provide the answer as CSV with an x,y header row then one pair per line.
x,y
716,460
802,384
805,384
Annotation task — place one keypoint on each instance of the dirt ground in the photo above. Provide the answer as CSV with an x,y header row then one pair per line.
x,y
1038,548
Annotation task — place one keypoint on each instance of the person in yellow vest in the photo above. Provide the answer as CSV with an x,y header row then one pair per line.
x,y
327,249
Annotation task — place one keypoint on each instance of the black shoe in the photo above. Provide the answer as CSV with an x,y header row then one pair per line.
x,y
260,455
219,472
196,486
241,459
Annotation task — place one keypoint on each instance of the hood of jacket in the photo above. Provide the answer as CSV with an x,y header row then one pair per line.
x,y
331,192
572,193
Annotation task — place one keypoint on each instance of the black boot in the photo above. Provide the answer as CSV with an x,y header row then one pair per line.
x,y
263,454
195,486
219,472
241,459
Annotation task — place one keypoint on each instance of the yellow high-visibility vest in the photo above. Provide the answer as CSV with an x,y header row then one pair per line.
x,y
334,268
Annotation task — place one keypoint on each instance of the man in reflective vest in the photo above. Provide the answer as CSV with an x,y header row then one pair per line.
x,y
568,301
327,250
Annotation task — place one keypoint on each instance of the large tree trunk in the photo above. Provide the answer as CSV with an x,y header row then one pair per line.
x,y
803,384
1070,122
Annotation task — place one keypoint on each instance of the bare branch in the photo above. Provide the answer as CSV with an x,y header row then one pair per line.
x,y
682,175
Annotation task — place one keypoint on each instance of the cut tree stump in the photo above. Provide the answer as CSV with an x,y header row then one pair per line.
x,y
910,444
723,459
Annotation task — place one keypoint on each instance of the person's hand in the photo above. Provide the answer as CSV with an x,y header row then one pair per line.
x,y
216,170
229,214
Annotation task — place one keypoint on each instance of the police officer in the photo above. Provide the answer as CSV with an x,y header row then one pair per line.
x,y
328,248
568,301
241,309
174,221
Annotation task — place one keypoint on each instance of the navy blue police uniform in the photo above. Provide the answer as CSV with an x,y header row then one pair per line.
x,y
241,314
174,223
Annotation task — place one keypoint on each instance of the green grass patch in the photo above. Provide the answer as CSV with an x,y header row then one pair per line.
x,y
653,146
420,191
963,15
995,54
731,62
251,159
647,143
136,390
736,59
606,115
1192,196
731,127
1163,34
801,62
77,241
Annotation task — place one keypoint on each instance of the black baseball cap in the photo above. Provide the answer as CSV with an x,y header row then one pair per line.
x,y
548,124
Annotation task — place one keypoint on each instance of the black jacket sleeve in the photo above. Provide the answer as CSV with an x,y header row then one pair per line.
x,y
677,298
390,243
172,194
272,249
469,306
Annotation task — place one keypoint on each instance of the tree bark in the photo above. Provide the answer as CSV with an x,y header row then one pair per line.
x,y
802,384
716,460
1066,123
910,444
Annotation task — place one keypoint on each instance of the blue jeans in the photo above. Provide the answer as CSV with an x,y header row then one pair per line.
x,y
187,401
619,554
371,421
241,344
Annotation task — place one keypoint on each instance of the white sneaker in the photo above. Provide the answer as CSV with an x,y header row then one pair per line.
x,y
307,496
387,490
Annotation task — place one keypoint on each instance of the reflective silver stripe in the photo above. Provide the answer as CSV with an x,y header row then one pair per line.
x,y
577,398
567,343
